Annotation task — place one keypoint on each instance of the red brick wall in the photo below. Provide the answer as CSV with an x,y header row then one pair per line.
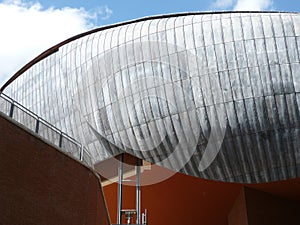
x,y
40,185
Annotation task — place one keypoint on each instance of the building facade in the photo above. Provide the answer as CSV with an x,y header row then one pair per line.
x,y
212,95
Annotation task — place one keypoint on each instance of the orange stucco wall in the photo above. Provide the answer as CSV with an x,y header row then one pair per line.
x,y
183,199
178,200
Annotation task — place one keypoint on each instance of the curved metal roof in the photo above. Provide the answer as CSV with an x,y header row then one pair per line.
x,y
213,95
56,47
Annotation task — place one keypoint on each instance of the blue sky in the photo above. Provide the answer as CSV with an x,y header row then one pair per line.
x,y
29,27
123,10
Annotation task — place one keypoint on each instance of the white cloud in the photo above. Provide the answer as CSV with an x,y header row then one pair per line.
x,y
27,29
222,3
105,12
243,5
255,5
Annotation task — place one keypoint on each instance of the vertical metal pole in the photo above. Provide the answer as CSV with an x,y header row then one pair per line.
x,y
81,152
60,139
138,191
11,112
119,213
37,126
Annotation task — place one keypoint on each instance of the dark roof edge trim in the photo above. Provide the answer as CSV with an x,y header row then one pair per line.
x,y
57,46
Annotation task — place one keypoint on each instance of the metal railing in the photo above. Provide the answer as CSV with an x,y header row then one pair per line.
x,y
44,129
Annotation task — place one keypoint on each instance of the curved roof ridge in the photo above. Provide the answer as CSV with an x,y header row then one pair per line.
x,y
56,47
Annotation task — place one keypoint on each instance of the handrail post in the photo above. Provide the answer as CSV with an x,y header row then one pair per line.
x,y
37,125
81,153
60,139
11,112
